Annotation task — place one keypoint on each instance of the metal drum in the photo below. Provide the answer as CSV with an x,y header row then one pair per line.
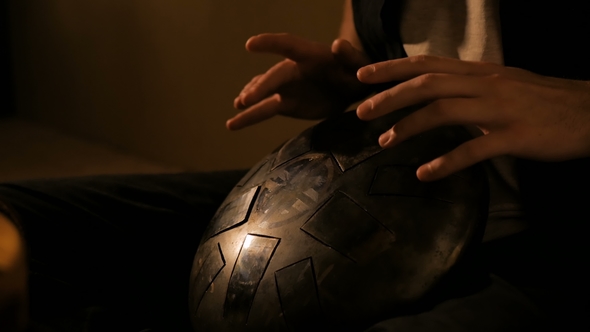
x,y
332,231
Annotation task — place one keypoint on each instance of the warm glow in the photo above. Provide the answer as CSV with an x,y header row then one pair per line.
x,y
248,241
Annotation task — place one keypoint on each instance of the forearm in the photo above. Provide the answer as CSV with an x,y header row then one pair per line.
x,y
347,28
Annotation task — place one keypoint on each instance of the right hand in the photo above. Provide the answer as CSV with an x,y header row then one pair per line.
x,y
313,82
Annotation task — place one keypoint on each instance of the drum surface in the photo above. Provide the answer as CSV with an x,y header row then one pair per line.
x,y
332,230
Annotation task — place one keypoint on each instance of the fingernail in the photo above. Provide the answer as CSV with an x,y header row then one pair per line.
x,y
425,172
386,138
366,71
243,97
364,108
369,69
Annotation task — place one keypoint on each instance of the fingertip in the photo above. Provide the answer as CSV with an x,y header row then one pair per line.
x,y
253,42
240,102
431,171
237,102
248,44
339,45
335,43
365,72
386,139
424,173
359,75
363,111
231,124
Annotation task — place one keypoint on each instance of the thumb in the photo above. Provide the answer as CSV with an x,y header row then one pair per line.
x,y
349,56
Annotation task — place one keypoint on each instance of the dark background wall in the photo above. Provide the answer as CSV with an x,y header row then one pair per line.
x,y
156,78
6,81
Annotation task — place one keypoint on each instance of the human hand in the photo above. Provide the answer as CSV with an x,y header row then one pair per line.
x,y
313,82
520,113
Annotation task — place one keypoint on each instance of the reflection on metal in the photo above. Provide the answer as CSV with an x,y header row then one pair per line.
x,y
360,237
345,161
347,228
397,180
294,148
282,200
210,269
234,213
298,293
250,266
253,171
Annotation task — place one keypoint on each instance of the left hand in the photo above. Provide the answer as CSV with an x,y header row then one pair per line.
x,y
520,113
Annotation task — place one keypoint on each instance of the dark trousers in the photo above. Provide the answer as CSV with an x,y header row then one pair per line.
x,y
114,253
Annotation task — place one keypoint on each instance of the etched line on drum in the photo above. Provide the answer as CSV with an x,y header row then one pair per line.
x,y
346,161
401,180
234,213
299,296
343,225
251,173
214,263
253,259
293,148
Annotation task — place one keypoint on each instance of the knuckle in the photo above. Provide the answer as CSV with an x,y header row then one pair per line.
x,y
438,108
497,78
490,67
286,64
254,89
426,80
421,59
400,128
502,84
429,78
497,82
384,96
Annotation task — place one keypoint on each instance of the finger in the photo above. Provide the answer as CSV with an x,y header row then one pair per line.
x,y
264,110
348,55
465,155
410,67
284,44
420,90
238,100
444,112
268,83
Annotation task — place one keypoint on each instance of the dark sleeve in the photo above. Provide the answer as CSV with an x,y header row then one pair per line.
x,y
377,25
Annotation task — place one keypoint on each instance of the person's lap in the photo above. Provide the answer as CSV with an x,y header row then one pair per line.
x,y
115,252
125,243
498,306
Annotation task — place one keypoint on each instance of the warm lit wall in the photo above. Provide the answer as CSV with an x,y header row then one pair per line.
x,y
156,77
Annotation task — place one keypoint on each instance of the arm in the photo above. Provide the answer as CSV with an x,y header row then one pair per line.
x,y
347,28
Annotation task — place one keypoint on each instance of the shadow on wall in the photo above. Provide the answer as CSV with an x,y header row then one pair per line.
x,y
156,78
